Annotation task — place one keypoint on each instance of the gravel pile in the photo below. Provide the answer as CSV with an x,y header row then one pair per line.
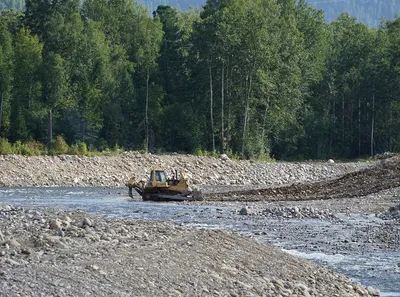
x,y
115,171
50,253
299,213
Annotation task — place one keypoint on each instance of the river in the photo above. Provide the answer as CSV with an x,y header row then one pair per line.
x,y
319,241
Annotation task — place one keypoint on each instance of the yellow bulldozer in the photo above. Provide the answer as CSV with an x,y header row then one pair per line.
x,y
160,188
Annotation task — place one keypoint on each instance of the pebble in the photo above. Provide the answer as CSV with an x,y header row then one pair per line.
x,y
26,251
373,291
12,262
243,211
14,243
86,222
55,224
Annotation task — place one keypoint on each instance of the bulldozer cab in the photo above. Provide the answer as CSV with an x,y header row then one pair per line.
x,y
157,179
158,175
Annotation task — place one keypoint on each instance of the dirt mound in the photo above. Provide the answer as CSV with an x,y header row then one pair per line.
x,y
385,175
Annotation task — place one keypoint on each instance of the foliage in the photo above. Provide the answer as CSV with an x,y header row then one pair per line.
x,y
59,146
35,148
79,148
252,79
30,148
204,153
5,146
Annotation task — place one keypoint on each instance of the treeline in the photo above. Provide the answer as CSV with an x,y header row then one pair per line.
x,y
255,78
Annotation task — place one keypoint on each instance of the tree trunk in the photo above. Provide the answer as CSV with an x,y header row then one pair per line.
x,y
333,128
372,124
390,130
211,109
359,126
146,119
264,123
228,136
50,129
343,132
83,130
1,108
246,114
222,111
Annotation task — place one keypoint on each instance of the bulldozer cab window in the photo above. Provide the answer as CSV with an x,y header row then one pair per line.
x,y
160,176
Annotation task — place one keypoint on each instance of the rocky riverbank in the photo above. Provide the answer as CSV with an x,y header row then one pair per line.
x,y
50,253
114,171
45,252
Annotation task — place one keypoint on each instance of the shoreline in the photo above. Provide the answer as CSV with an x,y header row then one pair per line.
x,y
115,171
68,253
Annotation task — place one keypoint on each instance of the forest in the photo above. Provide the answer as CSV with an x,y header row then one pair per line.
x,y
369,12
249,78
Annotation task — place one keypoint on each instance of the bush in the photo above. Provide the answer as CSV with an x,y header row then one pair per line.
x,y
73,150
102,144
118,149
58,146
35,148
82,148
5,146
198,152
213,154
19,148
79,149
232,156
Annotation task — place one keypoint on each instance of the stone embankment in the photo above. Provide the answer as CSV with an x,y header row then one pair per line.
x,y
115,171
50,253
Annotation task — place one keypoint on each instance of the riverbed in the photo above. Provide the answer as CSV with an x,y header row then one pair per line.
x,y
342,245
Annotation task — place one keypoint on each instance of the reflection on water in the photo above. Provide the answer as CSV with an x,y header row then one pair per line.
x,y
378,269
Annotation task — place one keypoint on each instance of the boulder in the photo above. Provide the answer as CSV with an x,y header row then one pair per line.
x,y
243,211
54,224
87,222
373,292
14,243
224,157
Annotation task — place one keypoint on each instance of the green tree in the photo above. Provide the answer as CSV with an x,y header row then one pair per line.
x,y
148,36
27,86
6,67
55,88
39,13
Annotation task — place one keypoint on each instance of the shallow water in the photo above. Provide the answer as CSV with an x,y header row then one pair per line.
x,y
319,241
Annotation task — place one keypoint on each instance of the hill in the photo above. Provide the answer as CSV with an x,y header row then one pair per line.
x,y
369,12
